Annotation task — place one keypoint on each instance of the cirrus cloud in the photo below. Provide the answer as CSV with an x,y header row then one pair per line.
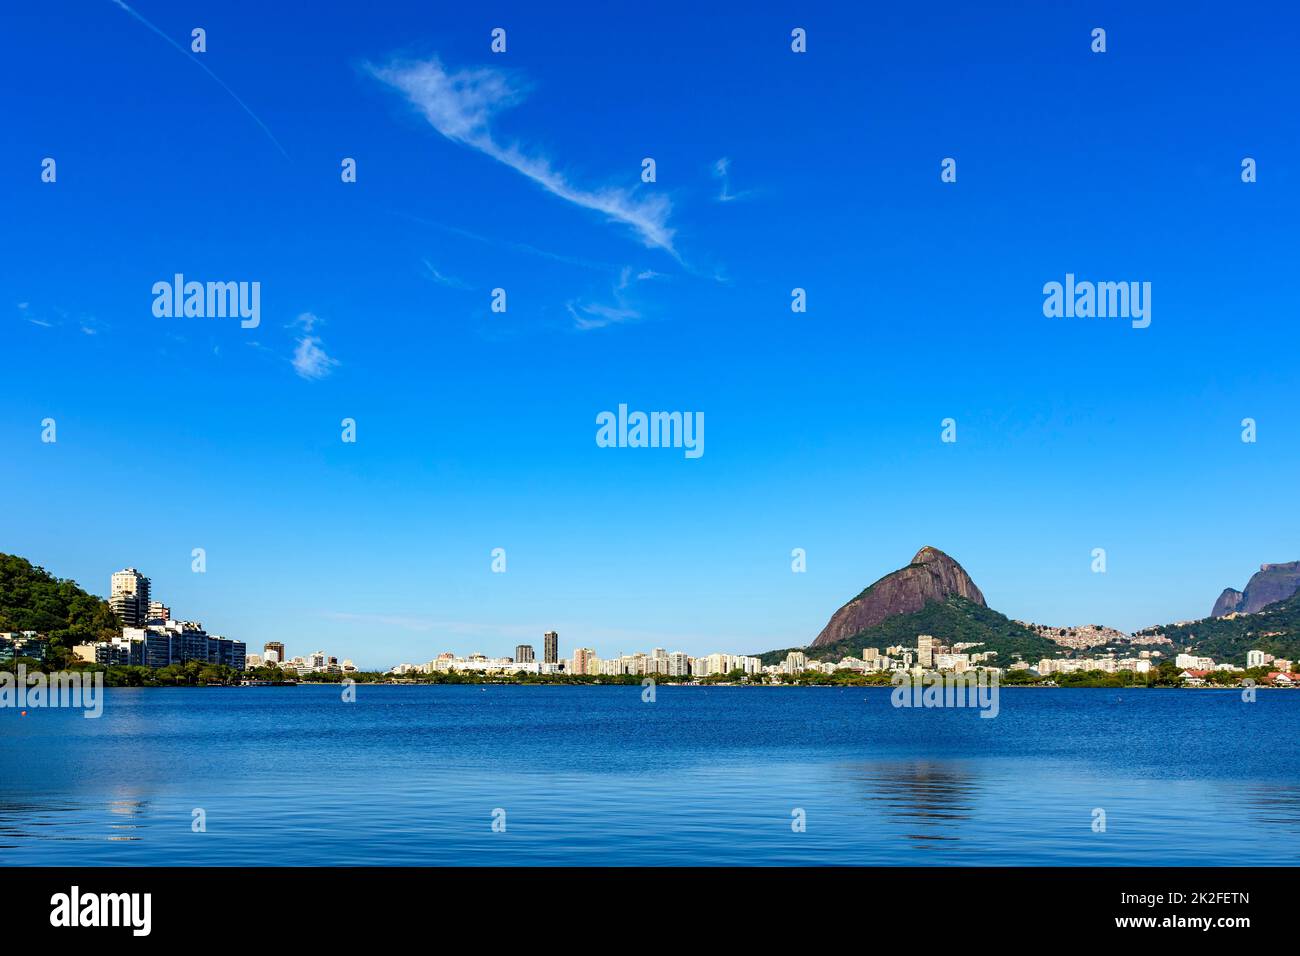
x,y
461,105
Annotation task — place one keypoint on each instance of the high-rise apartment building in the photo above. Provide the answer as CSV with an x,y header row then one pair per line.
x,y
925,650
158,611
551,647
524,654
583,658
129,597
276,648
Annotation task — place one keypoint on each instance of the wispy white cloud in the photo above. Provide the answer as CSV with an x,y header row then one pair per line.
x,y
60,319
310,360
588,314
450,282
24,310
203,66
503,243
461,106
722,171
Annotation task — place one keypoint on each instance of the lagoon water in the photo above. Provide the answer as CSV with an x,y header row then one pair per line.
x,y
595,776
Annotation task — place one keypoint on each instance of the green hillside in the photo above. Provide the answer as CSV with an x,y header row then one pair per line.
x,y
31,599
952,621
1274,630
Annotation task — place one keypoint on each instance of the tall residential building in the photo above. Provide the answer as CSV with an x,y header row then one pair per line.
x,y
1255,658
276,648
925,650
158,611
129,597
582,658
551,647
524,654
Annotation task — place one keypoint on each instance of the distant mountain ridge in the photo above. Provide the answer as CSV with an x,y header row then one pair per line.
x,y
1270,584
931,577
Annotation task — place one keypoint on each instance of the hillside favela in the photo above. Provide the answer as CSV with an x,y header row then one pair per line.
x,y
928,617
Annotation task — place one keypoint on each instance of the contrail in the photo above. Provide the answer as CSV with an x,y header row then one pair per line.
x,y
233,95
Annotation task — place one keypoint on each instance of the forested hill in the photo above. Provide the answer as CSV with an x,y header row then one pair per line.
x,y
1274,630
32,599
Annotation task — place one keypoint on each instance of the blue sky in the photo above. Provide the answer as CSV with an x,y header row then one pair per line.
x,y
522,171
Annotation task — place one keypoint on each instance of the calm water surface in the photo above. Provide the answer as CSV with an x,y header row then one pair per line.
x,y
592,775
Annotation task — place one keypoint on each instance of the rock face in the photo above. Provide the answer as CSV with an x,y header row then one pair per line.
x,y
1272,583
932,576
1229,601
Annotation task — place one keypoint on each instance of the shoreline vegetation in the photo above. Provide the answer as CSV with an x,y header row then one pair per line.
x,y
197,674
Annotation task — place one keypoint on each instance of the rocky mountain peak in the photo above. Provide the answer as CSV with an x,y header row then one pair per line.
x,y
931,576
1270,584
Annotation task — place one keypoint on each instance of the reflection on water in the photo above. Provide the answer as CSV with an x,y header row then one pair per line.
x,y
1273,805
72,820
594,776
930,799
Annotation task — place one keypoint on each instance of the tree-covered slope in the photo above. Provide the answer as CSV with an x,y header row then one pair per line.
x,y
1274,630
31,599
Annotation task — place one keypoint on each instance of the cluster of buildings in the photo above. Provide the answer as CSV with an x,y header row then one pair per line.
x,y
16,644
1197,670
1109,664
317,662
1260,659
151,637
929,654
1078,638
587,662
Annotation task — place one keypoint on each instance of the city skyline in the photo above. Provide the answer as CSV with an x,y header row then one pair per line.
x,y
477,430
132,581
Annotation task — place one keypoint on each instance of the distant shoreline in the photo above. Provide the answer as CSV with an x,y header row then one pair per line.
x,y
505,683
